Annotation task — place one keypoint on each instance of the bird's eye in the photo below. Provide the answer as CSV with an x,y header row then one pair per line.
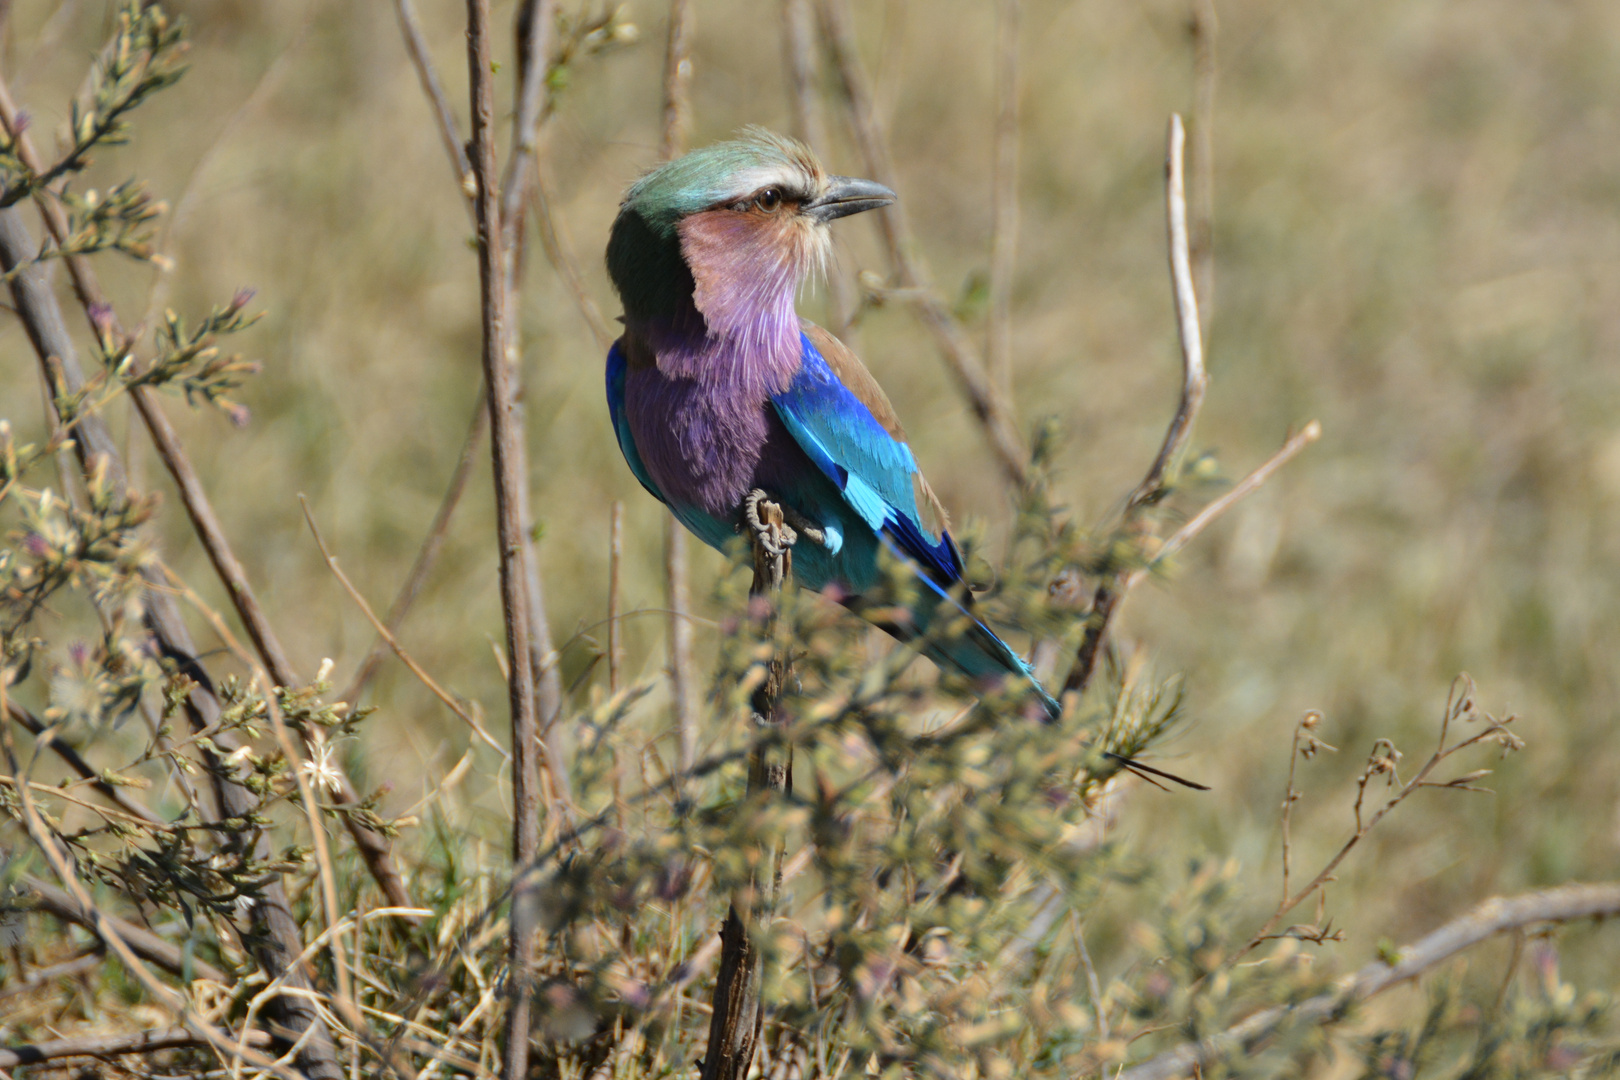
x,y
769,200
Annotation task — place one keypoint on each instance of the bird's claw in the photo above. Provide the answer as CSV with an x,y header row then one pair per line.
x,y
777,538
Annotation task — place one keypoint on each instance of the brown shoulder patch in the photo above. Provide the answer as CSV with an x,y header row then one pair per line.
x,y
853,374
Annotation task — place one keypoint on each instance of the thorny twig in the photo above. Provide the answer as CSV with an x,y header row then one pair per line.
x,y
1384,760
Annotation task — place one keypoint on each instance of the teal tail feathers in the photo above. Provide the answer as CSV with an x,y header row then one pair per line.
x,y
977,652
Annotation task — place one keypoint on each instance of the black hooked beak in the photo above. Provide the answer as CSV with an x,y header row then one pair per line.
x,y
846,195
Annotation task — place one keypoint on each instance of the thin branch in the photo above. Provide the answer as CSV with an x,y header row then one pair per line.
x,y
382,631
1004,198
1109,595
1498,915
426,555
681,678
444,116
1194,380
984,399
65,970
145,944
536,25
1235,494
511,476
139,1042
1383,762
559,250
677,123
809,127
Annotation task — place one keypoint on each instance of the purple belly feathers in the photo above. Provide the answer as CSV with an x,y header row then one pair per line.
x,y
702,444
701,413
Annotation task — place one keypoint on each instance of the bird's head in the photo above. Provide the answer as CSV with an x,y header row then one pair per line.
x,y
730,229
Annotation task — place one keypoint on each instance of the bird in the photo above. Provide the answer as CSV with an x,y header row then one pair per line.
x,y
719,392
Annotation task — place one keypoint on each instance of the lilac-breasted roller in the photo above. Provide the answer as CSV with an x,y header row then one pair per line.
x,y
718,389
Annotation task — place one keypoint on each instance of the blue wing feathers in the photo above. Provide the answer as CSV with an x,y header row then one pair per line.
x,y
616,367
872,468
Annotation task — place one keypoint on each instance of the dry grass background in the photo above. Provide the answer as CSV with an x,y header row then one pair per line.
x,y
1417,235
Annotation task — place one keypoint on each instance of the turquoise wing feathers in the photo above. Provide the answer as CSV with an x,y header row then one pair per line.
x,y
875,472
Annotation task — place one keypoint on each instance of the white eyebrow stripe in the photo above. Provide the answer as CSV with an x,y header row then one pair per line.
x,y
749,181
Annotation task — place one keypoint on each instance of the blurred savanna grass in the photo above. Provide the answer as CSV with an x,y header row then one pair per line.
x,y
1416,220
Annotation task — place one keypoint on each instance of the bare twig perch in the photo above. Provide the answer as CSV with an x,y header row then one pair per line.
x,y
734,1027
1194,381
1499,915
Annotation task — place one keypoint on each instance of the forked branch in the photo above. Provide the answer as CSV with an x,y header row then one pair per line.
x,y
1498,915
1194,381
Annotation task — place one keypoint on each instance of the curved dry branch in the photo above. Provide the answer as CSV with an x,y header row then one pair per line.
x,y
1194,381
678,80
1498,915
1194,377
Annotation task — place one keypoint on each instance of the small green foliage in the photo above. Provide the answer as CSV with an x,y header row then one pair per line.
x,y
143,57
190,357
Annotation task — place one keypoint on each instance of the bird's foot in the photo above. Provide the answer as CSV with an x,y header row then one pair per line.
x,y
777,537
775,529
